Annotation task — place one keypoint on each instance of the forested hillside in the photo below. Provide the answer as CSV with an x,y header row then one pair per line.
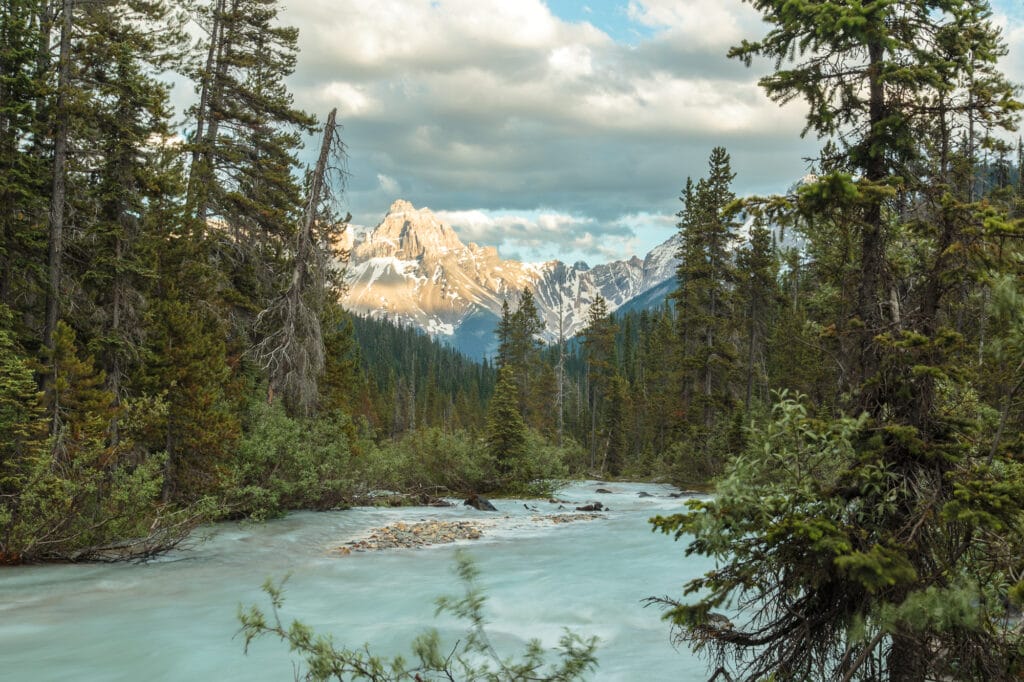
x,y
173,349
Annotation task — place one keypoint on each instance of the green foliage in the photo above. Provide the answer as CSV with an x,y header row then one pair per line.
x,y
506,430
199,430
430,461
287,463
76,496
803,527
471,658
852,547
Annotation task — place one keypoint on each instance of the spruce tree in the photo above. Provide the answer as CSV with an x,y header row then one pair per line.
x,y
506,430
22,171
524,350
875,545
599,345
757,271
705,299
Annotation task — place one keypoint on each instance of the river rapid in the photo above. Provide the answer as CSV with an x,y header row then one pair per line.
x,y
174,619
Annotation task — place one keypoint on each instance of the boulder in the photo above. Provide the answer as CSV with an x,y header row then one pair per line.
x,y
603,491
595,507
477,502
644,494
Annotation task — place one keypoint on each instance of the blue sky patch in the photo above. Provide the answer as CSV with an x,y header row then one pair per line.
x,y
610,16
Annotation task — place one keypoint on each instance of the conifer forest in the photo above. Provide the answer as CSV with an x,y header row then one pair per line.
x,y
839,366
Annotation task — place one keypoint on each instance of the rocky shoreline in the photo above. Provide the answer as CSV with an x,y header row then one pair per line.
x,y
403,535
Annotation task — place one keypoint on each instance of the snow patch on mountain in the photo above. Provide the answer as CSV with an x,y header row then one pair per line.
x,y
412,268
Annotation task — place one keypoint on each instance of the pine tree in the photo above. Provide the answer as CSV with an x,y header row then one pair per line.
x,y
187,361
705,298
246,125
757,271
113,260
524,349
504,333
599,344
24,454
875,545
506,430
22,171
615,428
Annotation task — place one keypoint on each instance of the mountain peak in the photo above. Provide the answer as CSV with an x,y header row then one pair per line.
x,y
413,269
402,206
407,232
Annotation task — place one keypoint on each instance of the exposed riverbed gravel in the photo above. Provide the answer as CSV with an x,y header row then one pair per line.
x,y
402,535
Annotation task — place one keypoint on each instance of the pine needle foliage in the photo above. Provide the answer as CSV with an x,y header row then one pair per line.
x,y
473,658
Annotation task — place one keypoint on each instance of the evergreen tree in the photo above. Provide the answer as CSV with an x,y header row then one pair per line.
x,y
506,430
615,428
705,298
875,545
757,271
504,334
599,344
525,346
113,264
246,125
22,171
187,362
23,448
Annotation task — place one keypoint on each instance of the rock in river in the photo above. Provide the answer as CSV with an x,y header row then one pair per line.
x,y
477,502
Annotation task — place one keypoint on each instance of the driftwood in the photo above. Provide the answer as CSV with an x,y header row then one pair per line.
x,y
168,531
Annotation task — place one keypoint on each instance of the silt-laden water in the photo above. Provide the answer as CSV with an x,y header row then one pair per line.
x,y
174,619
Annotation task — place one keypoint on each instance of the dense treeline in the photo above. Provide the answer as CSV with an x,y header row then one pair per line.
x,y
760,306
171,341
153,286
420,382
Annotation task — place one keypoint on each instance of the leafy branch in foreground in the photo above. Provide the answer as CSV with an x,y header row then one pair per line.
x,y
473,658
821,584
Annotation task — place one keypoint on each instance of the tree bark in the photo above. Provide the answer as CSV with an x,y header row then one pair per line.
x,y
872,236
58,195
203,109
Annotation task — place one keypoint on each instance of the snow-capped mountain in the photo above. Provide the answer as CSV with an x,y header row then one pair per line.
x,y
413,269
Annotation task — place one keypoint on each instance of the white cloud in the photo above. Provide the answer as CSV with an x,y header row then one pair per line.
x,y
529,234
388,185
353,100
571,61
698,23
492,109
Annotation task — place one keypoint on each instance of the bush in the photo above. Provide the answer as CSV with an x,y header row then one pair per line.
x,y
431,460
284,463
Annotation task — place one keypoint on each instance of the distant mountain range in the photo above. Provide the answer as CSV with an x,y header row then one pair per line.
x,y
413,269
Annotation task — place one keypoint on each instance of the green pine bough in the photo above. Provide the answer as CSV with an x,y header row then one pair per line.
x,y
471,658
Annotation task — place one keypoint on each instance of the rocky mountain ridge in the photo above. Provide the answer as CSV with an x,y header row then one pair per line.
x,y
413,269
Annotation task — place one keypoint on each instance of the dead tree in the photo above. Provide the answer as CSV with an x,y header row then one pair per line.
x,y
293,349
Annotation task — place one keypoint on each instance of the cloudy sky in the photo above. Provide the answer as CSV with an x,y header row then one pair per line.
x,y
549,128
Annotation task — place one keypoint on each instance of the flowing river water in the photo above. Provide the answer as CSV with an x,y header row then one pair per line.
x,y
174,618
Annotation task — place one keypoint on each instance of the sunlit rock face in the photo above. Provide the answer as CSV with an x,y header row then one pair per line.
x,y
413,269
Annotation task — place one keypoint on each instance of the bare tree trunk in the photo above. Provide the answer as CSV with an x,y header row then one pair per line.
x,y
872,237
216,96
293,352
750,357
59,193
195,182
